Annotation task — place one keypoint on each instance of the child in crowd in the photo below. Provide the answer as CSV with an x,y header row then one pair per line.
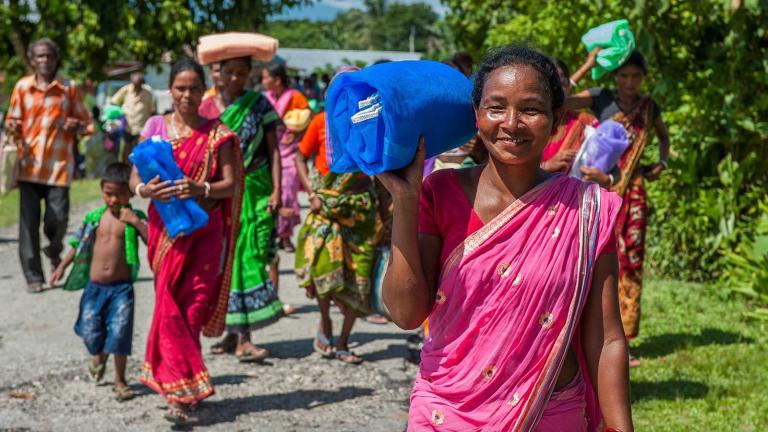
x,y
105,252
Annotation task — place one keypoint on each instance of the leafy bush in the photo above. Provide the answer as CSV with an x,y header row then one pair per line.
x,y
709,73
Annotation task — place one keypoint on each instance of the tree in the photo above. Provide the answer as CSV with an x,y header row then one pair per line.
x,y
94,33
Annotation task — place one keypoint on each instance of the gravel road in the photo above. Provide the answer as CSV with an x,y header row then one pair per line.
x,y
43,366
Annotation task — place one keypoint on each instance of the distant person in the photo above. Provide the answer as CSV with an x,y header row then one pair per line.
x,y
217,82
641,117
464,62
138,105
106,256
46,114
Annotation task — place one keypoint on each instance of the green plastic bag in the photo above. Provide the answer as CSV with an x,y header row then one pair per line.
x,y
617,43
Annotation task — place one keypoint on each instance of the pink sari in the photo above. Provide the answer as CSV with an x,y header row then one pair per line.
x,y
289,184
508,307
192,275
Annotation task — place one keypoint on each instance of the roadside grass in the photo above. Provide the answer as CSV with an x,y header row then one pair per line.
x,y
704,365
81,192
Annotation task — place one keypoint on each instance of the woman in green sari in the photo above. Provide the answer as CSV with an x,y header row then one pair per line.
x,y
253,301
336,248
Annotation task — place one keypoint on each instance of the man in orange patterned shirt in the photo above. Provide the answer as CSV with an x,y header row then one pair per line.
x,y
45,115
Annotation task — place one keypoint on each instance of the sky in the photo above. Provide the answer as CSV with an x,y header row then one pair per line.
x,y
327,9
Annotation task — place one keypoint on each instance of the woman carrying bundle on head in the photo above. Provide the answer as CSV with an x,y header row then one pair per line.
x,y
641,117
192,272
515,269
253,300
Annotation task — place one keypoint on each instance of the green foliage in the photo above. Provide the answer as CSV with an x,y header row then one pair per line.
x,y
708,72
382,26
95,33
747,272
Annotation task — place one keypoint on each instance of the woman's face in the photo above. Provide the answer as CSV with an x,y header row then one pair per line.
x,y
234,75
515,117
268,81
187,91
629,78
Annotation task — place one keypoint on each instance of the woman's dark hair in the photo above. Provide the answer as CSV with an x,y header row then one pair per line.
x,y
562,66
636,59
517,55
118,173
246,60
183,65
277,70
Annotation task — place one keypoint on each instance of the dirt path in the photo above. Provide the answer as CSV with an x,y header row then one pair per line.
x,y
43,360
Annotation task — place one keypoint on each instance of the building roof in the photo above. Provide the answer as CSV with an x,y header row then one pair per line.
x,y
308,60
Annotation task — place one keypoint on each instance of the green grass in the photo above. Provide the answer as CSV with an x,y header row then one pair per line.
x,y
81,192
705,367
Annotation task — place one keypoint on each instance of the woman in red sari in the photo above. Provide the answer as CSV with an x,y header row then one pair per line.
x,y
641,117
191,287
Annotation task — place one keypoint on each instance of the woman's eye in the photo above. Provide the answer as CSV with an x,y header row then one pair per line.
x,y
531,110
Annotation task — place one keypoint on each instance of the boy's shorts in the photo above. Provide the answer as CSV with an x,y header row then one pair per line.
x,y
105,320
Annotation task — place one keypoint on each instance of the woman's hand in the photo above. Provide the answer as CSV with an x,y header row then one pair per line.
x,y
596,175
188,188
592,58
155,189
407,181
274,204
653,172
315,203
562,160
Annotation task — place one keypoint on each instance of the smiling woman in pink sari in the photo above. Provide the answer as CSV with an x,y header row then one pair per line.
x,y
192,272
515,269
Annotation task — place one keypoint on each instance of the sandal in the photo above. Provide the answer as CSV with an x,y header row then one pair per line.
x,y
123,393
351,357
323,345
252,354
634,361
177,416
224,346
96,372
288,309
376,319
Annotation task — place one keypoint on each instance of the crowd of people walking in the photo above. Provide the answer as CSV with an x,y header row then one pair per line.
x,y
509,266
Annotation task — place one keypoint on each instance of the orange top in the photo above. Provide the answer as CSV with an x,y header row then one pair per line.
x,y
46,152
313,143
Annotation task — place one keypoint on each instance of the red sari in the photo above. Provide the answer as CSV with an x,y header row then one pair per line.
x,y
569,136
191,288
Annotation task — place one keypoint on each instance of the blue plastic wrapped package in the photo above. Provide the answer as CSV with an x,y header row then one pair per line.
x,y
155,157
375,116
617,43
601,149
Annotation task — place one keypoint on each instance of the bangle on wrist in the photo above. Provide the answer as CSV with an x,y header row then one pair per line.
x,y
613,429
207,187
611,179
664,163
137,190
573,83
312,195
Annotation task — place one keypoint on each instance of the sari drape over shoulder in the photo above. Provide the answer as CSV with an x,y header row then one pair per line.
x,y
192,274
508,307
633,217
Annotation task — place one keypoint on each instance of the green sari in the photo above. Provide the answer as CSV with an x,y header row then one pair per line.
x,y
336,249
253,301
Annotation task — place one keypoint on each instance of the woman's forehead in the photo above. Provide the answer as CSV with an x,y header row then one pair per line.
x,y
521,80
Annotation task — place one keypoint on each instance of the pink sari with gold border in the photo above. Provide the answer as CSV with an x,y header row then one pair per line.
x,y
192,274
508,306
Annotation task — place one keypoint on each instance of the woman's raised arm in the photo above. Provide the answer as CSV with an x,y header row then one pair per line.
x,y
409,284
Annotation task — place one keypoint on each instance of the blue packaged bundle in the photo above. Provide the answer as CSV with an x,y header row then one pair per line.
x,y
602,149
154,157
375,116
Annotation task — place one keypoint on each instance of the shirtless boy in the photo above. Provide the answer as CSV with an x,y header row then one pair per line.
x,y
107,243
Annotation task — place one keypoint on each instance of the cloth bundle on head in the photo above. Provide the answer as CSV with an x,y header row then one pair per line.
x,y
375,116
222,46
617,43
297,120
154,157
602,149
